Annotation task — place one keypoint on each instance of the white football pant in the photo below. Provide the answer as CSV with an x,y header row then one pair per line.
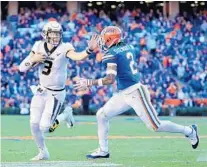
x,y
138,98
45,106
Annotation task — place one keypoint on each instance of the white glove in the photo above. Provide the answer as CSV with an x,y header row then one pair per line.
x,y
83,84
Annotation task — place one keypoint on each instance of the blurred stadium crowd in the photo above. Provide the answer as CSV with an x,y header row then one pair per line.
x,y
172,59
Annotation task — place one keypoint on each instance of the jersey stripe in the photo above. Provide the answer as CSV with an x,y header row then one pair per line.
x,y
108,59
108,56
106,52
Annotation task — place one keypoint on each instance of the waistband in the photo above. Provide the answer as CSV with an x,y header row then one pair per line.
x,y
130,89
56,90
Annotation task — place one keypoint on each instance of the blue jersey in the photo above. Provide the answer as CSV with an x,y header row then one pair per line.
x,y
125,57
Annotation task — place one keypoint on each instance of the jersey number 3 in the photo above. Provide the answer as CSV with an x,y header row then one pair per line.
x,y
47,67
132,63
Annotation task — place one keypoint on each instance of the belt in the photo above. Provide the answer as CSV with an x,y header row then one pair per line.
x,y
57,90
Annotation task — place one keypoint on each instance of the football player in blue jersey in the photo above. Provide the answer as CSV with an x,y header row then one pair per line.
x,y
121,66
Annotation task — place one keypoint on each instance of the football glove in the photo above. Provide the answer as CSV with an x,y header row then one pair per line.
x,y
83,84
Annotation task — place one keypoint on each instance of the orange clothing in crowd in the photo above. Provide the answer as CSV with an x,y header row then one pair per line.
x,y
134,25
172,89
173,33
134,13
1,55
172,102
142,41
7,48
82,32
166,61
73,16
177,27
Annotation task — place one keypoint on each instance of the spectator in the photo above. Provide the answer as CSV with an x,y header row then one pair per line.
x,y
24,108
169,50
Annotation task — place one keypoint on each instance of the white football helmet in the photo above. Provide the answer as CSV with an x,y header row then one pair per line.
x,y
52,33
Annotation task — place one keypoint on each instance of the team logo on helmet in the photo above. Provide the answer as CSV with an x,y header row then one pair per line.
x,y
109,36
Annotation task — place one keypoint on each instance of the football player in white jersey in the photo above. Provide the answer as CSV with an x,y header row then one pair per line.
x,y
51,55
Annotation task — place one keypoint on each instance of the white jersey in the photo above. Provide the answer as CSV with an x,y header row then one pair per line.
x,y
53,72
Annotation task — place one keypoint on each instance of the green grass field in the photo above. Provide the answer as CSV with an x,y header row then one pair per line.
x,y
131,144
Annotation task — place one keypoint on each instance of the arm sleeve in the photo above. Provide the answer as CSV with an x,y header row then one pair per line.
x,y
111,68
26,64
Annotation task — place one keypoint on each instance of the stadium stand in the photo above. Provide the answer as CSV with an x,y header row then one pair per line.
x,y
172,59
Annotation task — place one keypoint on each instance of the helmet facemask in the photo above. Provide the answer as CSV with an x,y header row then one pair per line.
x,y
53,37
101,43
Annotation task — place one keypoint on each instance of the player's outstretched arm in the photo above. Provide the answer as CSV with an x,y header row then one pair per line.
x,y
92,44
110,77
30,61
